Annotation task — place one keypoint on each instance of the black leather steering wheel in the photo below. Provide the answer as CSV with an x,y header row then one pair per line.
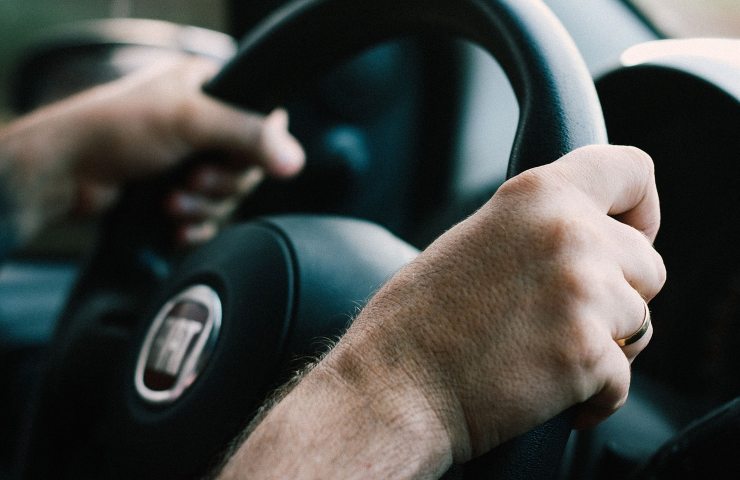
x,y
164,402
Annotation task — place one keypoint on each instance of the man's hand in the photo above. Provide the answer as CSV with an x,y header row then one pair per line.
x,y
506,320
77,152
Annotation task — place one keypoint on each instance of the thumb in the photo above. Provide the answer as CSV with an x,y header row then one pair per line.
x,y
256,140
282,155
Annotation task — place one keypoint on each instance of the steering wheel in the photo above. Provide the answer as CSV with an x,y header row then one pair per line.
x,y
152,373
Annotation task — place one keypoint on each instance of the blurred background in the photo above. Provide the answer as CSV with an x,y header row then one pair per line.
x,y
23,21
693,18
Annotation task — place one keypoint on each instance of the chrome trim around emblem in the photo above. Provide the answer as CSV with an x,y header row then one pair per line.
x,y
192,359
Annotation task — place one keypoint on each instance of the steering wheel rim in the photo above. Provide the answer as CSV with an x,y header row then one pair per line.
x,y
559,110
557,99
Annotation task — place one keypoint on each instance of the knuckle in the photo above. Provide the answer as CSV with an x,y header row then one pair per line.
x,y
661,271
652,267
651,224
567,236
582,350
530,183
639,158
660,274
576,275
574,283
581,338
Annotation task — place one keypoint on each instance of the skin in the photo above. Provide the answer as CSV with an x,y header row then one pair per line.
x,y
71,157
506,320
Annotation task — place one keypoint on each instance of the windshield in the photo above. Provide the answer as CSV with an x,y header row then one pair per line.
x,y
693,18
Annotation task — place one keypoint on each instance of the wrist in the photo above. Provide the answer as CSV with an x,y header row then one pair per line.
x,y
392,398
395,348
346,419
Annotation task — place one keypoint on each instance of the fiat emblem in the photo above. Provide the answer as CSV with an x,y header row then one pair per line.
x,y
178,344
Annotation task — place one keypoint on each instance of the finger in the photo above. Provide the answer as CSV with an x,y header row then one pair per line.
x,y
195,234
284,154
632,350
629,314
219,182
642,266
209,123
621,182
614,370
618,307
621,312
191,207
261,141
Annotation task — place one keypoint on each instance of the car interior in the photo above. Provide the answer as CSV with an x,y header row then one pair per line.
x,y
412,114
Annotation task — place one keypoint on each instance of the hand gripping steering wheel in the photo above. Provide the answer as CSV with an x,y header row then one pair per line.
x,y
163,401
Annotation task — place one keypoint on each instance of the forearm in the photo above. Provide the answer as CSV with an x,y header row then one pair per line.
x,y
45,154
507,319
36,181
346,420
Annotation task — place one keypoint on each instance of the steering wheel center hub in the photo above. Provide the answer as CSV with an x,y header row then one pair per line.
x,y
178,344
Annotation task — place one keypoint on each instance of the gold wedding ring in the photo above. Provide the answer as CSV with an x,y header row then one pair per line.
x,y
623,342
